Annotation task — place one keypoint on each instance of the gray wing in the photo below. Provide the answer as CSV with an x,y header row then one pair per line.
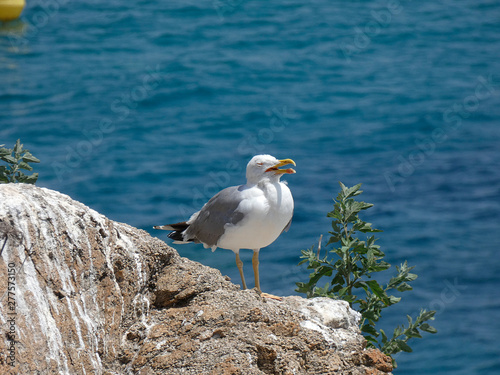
x,y
208,226
285,229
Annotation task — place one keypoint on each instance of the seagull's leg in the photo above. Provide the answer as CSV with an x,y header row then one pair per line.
x,y
239,264
255,264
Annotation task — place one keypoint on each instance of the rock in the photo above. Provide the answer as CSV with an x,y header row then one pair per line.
x,y
378,361
84,294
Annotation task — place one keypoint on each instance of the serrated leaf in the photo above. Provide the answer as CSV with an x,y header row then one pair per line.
x,y
360,284
8,159
368,328
384,336
403,346
27,157
413,333
18,148
335,215
333,239
343,291
410,320
371,315
393,300
353,191
382,266
336,288
363,206
411,277
342,186
338,279
403,287
427,328
377,290
426,315
319,273
31,179
398,331
25,166
365,227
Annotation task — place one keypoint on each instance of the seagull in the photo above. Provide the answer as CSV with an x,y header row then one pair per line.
x,y
249,216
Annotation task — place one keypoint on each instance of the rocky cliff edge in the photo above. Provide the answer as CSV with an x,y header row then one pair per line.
x,y
82,294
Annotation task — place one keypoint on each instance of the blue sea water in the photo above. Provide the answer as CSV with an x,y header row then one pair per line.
x,y
143,110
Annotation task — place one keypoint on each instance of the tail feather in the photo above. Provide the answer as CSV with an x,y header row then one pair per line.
x,y
177,230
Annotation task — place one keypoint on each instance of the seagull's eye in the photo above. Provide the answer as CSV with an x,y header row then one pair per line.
x,y
260,164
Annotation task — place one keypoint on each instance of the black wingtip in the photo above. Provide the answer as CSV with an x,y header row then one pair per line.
x,y
176,236
177,230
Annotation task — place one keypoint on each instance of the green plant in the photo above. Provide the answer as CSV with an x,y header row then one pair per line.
x,y
351,268
17,159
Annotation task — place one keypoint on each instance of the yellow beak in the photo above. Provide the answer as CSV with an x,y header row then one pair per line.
x,y
275,168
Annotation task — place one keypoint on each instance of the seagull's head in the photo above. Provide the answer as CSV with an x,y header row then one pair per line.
x,y
267,167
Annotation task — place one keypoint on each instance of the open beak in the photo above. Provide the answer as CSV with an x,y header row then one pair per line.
x,y
276,170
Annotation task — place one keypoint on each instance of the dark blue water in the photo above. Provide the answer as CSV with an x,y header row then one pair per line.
x,y
144,110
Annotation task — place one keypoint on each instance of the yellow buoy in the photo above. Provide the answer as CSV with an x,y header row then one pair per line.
x,y
10,9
